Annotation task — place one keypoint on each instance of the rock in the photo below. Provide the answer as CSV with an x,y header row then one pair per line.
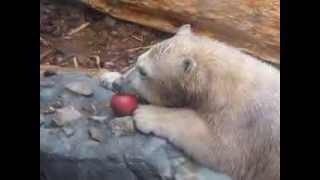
x,y
49,73
49,110
122,126
68,131
58,104
141,169
97,134
89,108
186,170
247,24
80,87
47,95
99,119
206,174
82,149
46,83
66,115
41,119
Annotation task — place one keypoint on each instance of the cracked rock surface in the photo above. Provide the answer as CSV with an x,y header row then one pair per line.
x,y
81,140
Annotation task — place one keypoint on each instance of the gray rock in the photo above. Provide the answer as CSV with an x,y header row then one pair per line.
x,y
80,87
89,108
68,131
122,126
49,73
57,104
46,83
97,134
99,119
84,148
49,94
41,119
206,174
49,110
141,168
186,171
66,115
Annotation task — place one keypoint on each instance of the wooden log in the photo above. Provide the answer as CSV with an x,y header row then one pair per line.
x,y
252,25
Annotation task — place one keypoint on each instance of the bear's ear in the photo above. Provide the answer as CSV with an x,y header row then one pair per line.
x,y
188,64
184,29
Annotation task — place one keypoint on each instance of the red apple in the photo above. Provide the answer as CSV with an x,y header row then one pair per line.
x,y
123,105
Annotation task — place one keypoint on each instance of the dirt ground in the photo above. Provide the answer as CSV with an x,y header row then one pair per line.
x,y
74,35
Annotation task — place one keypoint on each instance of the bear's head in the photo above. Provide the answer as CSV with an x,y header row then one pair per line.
x,y
172,73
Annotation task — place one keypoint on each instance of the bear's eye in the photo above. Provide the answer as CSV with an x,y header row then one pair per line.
x,y
142,72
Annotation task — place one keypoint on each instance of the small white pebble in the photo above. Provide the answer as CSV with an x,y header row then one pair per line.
x,y
98,118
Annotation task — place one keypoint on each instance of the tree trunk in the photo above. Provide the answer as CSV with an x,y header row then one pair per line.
x,y
252,25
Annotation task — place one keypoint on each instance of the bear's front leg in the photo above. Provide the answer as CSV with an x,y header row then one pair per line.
x,y
182,127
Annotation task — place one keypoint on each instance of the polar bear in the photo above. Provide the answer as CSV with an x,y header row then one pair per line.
x,y
217,104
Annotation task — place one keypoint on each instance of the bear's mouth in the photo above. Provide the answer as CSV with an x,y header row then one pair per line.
x,y
116,89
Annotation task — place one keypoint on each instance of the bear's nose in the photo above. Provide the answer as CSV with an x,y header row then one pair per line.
x,y
116,86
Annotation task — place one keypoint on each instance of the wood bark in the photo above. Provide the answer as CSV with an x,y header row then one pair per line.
x,y
252,25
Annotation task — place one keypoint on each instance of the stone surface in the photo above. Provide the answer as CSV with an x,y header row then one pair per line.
x,y
49,110
68,131
98,118
80,87
66,115
49,73
122,126
41,119
252,25
46,83
97,134
57,104
69,152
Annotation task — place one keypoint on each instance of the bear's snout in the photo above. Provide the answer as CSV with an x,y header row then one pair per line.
x,y
116,86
